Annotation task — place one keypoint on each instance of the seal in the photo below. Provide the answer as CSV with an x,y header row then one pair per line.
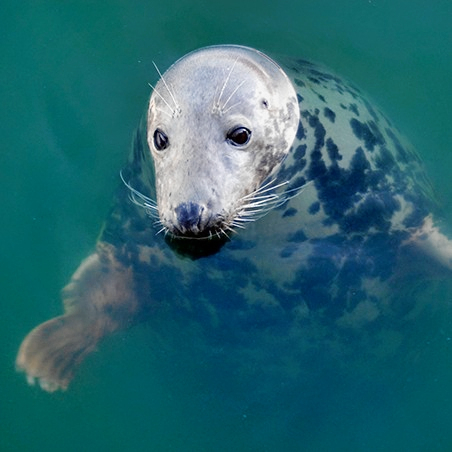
x,y
261,199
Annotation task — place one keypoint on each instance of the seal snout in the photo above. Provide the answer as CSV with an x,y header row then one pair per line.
x,y
190,218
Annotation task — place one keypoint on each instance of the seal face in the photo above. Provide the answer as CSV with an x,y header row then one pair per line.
x,y
309,207
221,114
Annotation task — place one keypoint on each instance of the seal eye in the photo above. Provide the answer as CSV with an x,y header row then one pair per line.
x,y
160,140
239,136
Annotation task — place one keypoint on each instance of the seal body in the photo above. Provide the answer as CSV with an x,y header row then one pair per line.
x,y
267,206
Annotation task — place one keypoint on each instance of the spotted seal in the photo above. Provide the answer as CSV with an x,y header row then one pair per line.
x,y
261,199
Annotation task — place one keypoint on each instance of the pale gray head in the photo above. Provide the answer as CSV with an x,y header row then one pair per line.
x,y
220,122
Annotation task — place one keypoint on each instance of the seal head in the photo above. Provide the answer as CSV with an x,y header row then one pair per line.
x,y
220,122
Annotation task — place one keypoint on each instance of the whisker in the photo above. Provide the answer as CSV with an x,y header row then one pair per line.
x,y
164,112
265,198
229,228
176,105
261,201
231,107
256,207
250,212
141,200
163,229
164,100
264,188
224,233
268,196
230,97
234,224
218,101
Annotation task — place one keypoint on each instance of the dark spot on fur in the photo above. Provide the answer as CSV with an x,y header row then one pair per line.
x,y
385,160
314,208
367,132
290,212
354,109
298,182
329,114
333,150
375,211
297,237
300,152
314,80
317,166
300,131
299,82
288,250
342,191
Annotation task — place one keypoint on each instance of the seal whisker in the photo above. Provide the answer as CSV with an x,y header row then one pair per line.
x,y
246,217
158,222
176,105
216,105
261,201
224,233
231,107
163,229
250,212
141,200
173,111
235,224
164,112
293,192
229,228
230,97
264,188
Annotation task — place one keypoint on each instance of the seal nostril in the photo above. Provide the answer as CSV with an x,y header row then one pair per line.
x,y
189,215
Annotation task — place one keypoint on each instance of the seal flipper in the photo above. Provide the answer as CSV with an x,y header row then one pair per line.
x,y
98,300
52,352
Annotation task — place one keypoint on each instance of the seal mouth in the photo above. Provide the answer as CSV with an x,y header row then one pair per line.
x,y
196,246
215,231
205,235
191,220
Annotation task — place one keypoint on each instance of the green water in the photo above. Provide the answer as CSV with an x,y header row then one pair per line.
x,y
73,83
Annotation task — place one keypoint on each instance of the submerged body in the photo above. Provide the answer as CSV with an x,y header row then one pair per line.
x,y
289,209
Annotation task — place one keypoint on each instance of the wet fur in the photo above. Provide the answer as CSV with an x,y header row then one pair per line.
x,y
321,267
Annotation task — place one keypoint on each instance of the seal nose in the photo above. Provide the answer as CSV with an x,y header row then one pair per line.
x,y
189,216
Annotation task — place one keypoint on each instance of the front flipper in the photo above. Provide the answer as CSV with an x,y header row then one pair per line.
x,y
99,299
51,353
